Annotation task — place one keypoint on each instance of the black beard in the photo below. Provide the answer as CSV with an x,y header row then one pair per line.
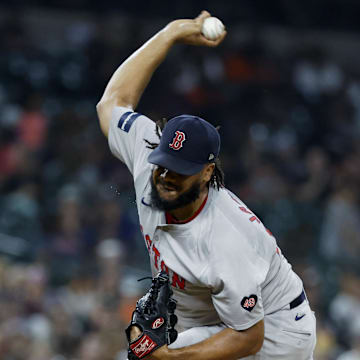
x,y
184,199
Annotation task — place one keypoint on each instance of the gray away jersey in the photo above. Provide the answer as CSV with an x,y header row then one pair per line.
x,y
224,265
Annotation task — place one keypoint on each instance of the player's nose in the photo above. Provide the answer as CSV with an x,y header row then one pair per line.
x,y
165,173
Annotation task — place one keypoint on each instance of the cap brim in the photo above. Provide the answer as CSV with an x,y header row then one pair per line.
x,y
173,163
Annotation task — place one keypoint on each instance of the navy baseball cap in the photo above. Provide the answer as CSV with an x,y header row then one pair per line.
x,y
187,144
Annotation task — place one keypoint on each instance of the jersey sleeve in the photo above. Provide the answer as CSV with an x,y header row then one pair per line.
x,y
236,276
127,133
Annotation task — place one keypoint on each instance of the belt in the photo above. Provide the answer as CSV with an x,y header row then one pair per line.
x,y
299,300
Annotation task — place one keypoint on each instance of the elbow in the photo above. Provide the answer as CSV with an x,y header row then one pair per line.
x,y
103,105
257,346
100,108
104,110
255,338
115,99
103,113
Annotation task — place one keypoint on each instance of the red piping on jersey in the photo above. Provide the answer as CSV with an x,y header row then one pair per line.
x,y
171,220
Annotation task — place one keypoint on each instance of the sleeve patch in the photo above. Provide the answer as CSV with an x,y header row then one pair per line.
x,y
126,120
248,303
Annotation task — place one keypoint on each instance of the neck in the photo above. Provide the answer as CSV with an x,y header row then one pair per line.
x,y
186,212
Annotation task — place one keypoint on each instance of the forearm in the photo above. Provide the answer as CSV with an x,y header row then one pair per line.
x,y
228,344
131,78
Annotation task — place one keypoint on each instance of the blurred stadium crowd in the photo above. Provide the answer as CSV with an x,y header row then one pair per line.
x,y
70,245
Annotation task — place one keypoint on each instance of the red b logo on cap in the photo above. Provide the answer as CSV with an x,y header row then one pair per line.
x,y
178,140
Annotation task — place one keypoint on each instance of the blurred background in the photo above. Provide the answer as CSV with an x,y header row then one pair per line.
x,y
285,89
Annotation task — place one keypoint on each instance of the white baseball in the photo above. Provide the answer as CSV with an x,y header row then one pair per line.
x,y
212,28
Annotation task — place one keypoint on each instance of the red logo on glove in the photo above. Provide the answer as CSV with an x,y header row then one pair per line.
x,y
157,323
143,346
178,140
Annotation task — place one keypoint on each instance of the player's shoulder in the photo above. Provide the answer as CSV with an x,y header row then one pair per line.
x,y
125,119
231,211
236,224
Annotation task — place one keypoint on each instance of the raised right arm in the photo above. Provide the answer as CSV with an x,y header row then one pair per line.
x,y
131,78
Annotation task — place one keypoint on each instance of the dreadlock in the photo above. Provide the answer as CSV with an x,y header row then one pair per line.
x,y
217,177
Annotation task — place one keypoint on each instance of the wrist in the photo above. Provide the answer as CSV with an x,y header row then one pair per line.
x,y
162,353
171,32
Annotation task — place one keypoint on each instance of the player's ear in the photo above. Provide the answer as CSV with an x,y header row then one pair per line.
x,y
208,171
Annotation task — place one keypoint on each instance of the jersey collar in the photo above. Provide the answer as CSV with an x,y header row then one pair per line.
x,y
171,220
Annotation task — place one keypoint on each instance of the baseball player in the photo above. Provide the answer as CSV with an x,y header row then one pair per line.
x,y
237,296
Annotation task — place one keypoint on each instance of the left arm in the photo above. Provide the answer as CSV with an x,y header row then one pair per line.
x,y
228,344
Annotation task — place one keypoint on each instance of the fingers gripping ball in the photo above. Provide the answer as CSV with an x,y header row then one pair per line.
x,y
154,316
212,28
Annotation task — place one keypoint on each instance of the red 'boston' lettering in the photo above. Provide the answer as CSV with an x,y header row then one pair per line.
x,y
177,281
148,242
156,257
164,267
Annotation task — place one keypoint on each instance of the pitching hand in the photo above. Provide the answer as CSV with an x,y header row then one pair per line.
x,y
188,31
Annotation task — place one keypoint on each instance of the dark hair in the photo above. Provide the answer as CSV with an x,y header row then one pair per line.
x,y
217,177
